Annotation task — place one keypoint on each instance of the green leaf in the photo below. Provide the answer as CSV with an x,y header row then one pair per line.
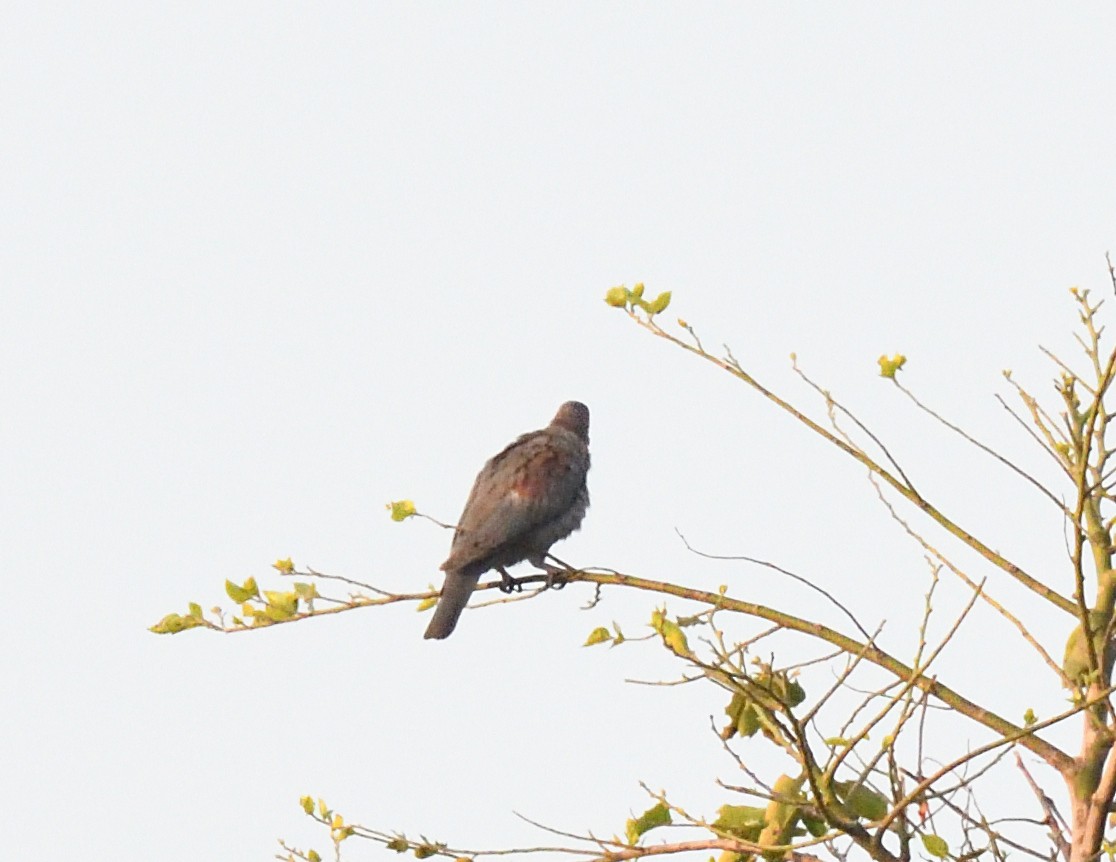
x,y
935,846
239,594
743,821
617,297
195,610
599,635
792,693
659,303
1076,660
890,365
748,722
306,592
673,636
862,801
280,606
781,815
743,719
172,624
815,826
307,804
313,856
637,290
401,510
656,815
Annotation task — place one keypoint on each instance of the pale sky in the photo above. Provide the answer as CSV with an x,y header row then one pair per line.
x,y
266,267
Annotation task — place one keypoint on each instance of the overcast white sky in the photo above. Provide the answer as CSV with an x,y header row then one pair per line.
x,y
266,266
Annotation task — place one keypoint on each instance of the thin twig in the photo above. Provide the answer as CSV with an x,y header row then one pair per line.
x,y
769,565
1053,820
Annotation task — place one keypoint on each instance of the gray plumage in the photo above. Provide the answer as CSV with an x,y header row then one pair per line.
x,y
524,500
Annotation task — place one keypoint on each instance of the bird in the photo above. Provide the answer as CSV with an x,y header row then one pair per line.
x,y
526,498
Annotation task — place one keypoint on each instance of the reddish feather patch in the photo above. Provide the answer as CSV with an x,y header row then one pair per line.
x,y
537,475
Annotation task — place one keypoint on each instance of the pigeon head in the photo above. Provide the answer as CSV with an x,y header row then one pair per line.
x,y
573,416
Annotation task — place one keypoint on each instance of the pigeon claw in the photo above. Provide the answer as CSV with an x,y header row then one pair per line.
x,y
508,583
555,578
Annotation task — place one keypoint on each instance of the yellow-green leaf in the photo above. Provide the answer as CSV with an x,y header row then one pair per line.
x,y
195,610
1077,659
742,715
889,365
241,594
599,635
637,290
656,815
398,844
659,303
743,821
172,624
306,592
935,846
781,814
427,604
284,566
323,811
307,804
280,606
1029,717
673,636
617,297
401,510
313,856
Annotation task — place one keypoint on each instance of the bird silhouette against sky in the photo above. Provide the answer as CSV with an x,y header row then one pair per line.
x,y
526,498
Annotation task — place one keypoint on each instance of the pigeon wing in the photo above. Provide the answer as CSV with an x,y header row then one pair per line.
x,y
532,481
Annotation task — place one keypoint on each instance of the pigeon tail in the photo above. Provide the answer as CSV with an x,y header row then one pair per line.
x,y
455,596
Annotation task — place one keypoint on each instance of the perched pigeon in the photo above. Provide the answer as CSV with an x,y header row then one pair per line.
x,y
524,500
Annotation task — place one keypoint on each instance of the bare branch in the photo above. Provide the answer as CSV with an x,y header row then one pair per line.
x,y
929,509
768,565
1053,820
